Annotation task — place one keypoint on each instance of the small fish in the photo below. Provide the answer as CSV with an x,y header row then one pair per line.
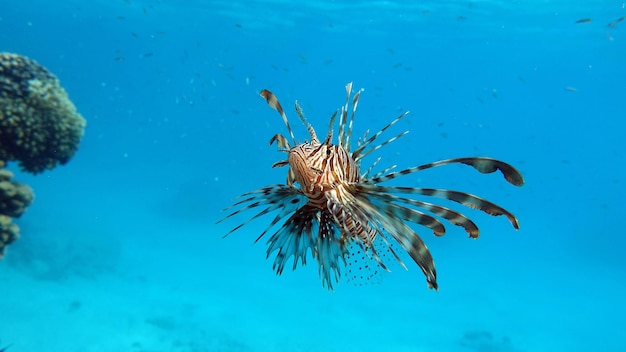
x,y
134,34
148,54
613,24
5,347
571,89
584,20
118,59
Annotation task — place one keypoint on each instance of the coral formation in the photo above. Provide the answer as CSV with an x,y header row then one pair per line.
x,y
39,128
14,198
39,125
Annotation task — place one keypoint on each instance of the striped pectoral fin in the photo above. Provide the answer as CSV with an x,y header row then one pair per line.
x,y
373,205
374,222
261,213
275,197
306,230
421,255
457,219
330,250
272,194
382,239
282,214
417,217
414,246
385,217
466,199
352,218
471,201
489,165
452,216
256,216
391,201
482,164
294,238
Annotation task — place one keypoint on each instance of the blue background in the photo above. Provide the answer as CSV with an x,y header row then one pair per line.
x,y
120,250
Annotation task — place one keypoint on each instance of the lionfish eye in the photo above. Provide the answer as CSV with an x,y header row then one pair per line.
x,y
327,151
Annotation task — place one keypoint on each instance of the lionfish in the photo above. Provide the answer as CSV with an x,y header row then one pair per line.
x,y
331,206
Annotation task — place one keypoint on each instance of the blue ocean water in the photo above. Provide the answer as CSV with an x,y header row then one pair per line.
x,y
121,251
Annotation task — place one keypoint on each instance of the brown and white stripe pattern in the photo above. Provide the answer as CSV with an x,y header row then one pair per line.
x,y
328,204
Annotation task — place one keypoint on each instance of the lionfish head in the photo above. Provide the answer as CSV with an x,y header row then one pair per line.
x,y
321,166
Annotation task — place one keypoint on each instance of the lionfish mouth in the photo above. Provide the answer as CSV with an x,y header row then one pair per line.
x,y
329,205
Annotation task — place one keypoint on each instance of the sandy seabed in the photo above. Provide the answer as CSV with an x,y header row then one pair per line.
x,y
222,295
